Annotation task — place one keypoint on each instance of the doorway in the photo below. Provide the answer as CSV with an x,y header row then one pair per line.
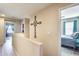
x,y
70,30
9,29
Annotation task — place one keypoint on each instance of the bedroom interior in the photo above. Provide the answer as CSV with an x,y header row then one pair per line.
x,y
70,31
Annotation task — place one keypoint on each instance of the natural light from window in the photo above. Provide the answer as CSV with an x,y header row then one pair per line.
x,y
69,28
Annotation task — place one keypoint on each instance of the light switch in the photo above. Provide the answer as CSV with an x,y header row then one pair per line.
x,y
49,33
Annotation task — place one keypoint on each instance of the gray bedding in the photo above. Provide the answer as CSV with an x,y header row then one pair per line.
x,y
67,41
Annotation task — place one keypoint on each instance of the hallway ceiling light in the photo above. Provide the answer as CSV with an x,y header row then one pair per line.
x,y
3,15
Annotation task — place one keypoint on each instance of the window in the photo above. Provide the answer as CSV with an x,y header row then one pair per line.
x,y
69,28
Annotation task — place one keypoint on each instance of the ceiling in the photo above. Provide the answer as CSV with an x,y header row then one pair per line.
x,y
70,12
21,10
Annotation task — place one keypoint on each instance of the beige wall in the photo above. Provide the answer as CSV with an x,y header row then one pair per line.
x,y
48,31
25,47
17,26
1,31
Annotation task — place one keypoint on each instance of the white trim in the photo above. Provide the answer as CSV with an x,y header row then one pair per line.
x,y
59,38
59,33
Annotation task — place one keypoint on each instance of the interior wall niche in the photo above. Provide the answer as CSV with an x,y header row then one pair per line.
x,y
25,27
22,28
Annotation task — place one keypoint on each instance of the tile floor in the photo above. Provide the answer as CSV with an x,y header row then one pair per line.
x,y
69,52
6,49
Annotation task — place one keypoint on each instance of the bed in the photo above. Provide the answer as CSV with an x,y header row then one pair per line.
x,y
70,41
67,41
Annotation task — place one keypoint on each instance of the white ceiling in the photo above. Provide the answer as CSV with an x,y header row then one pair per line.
x,y
70,12
21,10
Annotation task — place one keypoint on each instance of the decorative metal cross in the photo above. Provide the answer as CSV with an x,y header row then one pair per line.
x,y
35,24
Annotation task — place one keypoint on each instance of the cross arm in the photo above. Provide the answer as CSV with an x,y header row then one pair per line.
x,y
39,22
32,23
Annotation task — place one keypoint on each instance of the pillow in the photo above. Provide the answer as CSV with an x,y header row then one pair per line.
x,y
76,35
73,35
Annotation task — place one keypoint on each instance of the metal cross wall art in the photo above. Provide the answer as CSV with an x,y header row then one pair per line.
x,y
35,23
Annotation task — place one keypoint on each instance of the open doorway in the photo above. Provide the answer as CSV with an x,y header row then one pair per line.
x,y
70,30
9,29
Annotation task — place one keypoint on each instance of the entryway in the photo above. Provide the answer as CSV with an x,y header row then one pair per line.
x,y
70,30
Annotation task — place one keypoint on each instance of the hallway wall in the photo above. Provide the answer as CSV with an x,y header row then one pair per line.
x,y
1,31
48,31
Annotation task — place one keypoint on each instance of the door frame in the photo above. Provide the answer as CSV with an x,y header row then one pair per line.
x,y
59,37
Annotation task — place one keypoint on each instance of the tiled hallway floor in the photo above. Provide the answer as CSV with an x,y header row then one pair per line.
x,y
6,49
69,52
